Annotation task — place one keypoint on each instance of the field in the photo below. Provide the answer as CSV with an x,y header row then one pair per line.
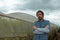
x,y
14,29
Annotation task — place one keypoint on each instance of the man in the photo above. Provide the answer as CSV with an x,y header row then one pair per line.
x,y
41,27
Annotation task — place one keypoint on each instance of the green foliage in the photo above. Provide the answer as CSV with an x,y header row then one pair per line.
x,y
14,28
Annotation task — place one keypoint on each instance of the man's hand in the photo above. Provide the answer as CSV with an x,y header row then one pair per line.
x,y
47,26
34,27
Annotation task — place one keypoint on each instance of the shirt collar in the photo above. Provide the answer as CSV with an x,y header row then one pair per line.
x,y
40,21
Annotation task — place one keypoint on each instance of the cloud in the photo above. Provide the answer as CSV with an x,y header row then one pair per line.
x,y
11,5
51,8
32,4
3,9
43,4
54,17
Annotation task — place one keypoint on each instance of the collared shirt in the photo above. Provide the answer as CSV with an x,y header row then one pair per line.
x,y
42,24
41,34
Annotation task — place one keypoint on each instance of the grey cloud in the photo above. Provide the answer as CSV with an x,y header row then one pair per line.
x,y
43,4
18,7
39,4
4,9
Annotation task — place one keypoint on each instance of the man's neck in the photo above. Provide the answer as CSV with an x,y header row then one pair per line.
x,y
41,20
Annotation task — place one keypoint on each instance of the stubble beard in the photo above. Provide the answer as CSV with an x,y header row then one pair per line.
x,y
40,18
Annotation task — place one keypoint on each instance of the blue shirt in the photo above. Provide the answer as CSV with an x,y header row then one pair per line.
x,y
41,33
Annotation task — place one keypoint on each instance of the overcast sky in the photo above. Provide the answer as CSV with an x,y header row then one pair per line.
x,y
51,8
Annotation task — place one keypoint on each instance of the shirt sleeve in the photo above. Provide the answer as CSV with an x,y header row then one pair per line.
x,y
37,32
45,30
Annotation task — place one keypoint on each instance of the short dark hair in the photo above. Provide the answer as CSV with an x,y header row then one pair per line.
x,y
40,11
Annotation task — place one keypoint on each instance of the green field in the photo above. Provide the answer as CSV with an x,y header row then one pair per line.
x,y
14,29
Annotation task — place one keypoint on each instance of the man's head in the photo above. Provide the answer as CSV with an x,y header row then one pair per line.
x,y
40,14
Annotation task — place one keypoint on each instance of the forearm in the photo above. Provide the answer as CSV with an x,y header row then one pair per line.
x,y
37,32
43,30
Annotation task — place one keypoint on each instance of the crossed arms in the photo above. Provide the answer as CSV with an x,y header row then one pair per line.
x,y
41,30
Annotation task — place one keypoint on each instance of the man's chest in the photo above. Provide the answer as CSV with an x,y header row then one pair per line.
x,y
41,24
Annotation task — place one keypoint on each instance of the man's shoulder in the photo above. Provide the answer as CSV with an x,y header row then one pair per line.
x,y
46,20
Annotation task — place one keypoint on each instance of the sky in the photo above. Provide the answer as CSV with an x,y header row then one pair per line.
x,y
51,8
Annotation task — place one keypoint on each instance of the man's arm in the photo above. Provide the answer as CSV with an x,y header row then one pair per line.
x,y
43,30
34,27
46,29
38,30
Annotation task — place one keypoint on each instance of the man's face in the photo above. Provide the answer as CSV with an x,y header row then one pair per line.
x,y
40,16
